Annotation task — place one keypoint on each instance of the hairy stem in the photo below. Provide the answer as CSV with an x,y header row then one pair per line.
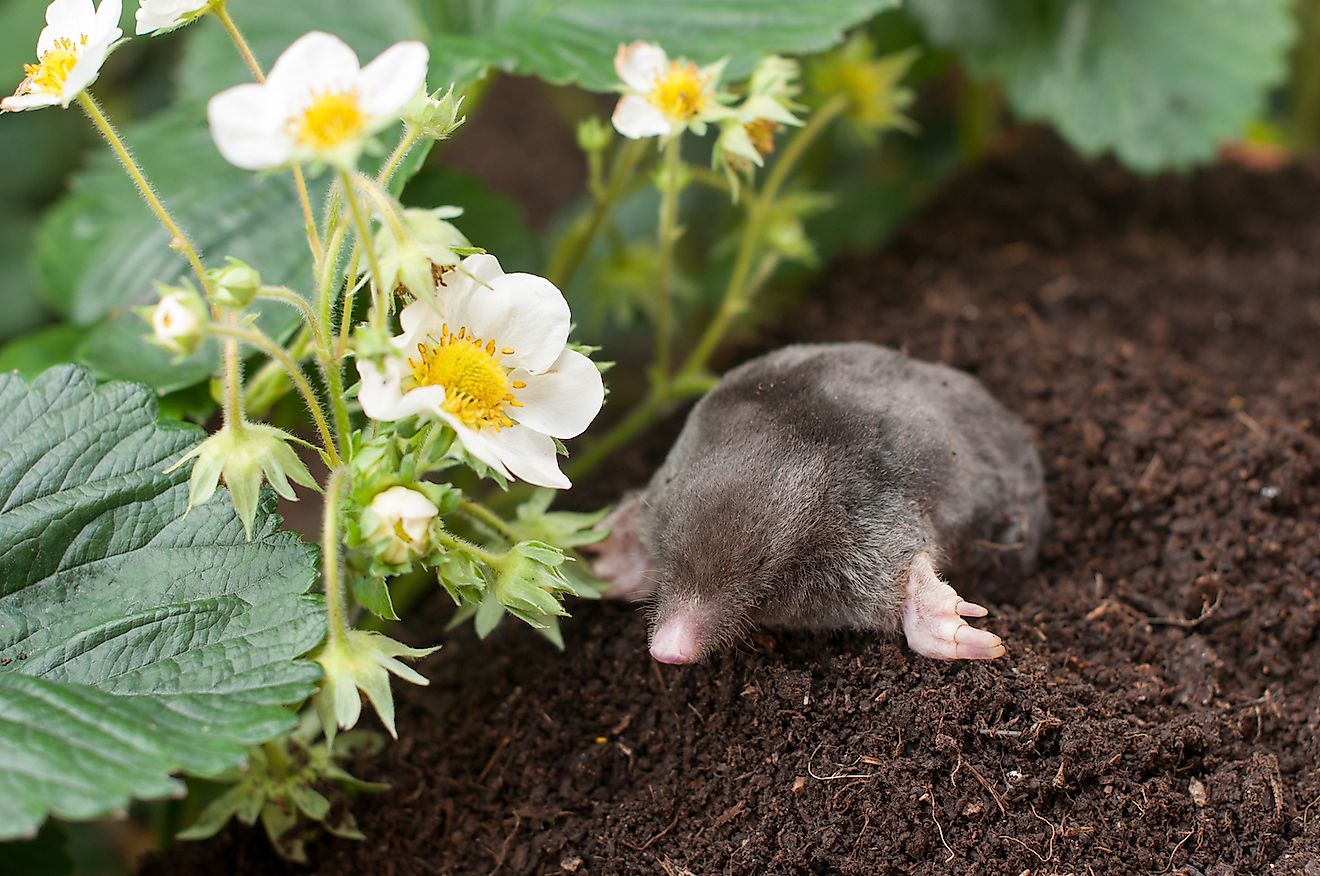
x,y
180,241
666,237
409,139
336,608
285,295
483,515
300,182
380,303
263,343
572,251
759,208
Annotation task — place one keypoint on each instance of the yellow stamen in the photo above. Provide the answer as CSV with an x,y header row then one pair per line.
x,y
680,92
333,118
476,385
50,74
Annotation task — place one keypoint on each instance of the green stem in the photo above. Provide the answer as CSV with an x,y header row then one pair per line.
x,y
254,66
279,354
570,254
233,384
454,543
620,434
742,284
271,382
759,208
666,237
336,613
409,139
285,295
481,514
180,240
380,298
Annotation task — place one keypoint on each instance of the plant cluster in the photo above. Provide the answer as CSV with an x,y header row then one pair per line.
x,y
386,347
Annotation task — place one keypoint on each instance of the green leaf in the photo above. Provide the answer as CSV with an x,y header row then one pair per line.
x,y
211,65
575,40
1158,83
33,353
101,250
135,642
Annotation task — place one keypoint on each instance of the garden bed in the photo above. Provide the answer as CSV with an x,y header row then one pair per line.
x,y
1158,708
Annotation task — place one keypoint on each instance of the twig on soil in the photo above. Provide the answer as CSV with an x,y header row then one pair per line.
x,y
999,801
1250,422
930,796
811,772
504,846
499,749
1207,609
1306,813
1050,851
1174,853
646,845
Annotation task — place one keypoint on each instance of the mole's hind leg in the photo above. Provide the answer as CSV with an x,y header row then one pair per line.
x,y
933,615
621,559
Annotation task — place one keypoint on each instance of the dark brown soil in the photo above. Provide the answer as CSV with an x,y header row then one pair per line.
x,y
1159,706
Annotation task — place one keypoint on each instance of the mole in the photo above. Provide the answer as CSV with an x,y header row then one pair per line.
x,y
829,486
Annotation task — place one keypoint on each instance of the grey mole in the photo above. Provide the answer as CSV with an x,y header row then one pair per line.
x,y
821,487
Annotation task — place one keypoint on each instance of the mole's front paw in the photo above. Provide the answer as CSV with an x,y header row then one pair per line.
x,y
933,615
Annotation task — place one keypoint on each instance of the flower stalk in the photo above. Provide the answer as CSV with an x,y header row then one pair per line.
x,y
667,237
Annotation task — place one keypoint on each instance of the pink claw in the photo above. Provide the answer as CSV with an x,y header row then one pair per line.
x,y
933,619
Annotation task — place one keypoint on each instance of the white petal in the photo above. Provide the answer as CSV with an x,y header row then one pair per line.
x,y
156,15
382,396
315,62
636,117
531,456
393,79
639,64
84,71
420,320
249,128
475,271
66,19
105,27
522,312
476,443
564,400
19,102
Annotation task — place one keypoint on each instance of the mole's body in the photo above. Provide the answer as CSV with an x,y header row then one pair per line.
x,y
820,487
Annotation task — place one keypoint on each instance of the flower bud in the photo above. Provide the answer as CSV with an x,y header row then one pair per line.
x,y
593,135
235,285
178,321
398,522
435,115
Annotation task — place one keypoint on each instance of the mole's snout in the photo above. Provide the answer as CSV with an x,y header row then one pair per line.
x,y
675,640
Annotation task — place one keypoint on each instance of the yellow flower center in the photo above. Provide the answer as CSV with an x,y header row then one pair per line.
x,y
477,387
333,118
680,92
53,69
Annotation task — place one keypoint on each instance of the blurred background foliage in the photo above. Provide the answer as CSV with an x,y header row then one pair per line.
x,y
1161,86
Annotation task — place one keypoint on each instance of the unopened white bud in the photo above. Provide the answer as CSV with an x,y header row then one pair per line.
x,y
398,521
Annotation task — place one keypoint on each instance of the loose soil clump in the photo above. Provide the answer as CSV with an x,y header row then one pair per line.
x,y
1157,711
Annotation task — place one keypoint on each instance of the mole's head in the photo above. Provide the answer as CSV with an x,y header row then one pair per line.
x,y
728,535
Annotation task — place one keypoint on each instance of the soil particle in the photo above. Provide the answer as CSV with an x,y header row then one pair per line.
x,y
1157,711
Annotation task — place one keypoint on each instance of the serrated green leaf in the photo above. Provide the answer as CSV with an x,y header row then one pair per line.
x,y
1160,84
575,40
135,642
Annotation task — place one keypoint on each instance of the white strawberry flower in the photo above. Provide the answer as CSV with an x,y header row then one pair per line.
x,y
316,104
489,357
662,98
160,16
70,51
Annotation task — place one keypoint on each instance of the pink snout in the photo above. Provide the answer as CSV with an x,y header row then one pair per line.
x,y
675,640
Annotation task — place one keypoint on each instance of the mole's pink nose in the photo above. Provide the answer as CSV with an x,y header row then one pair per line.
x,y
674,641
